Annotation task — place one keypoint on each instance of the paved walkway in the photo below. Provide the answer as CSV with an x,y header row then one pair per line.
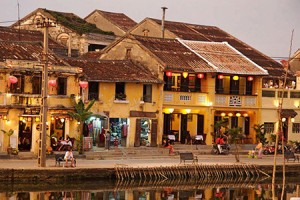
x,y
173,160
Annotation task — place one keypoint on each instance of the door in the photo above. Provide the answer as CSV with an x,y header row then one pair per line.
x,y
183,128
138,130
200,124
154,133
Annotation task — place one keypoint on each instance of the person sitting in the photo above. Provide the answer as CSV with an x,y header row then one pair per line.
x,y
69,157
169,146
63,143
220,142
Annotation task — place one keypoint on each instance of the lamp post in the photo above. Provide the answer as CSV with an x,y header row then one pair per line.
x,y
45,24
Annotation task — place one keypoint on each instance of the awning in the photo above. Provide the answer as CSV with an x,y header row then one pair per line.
x,y
288,113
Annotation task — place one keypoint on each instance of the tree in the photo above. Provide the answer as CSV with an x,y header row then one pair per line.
x,y
260,132
234,135
218,125
81,114
9,133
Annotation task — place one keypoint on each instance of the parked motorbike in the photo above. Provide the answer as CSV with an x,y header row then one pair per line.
x,y
296,147
224,149
270,149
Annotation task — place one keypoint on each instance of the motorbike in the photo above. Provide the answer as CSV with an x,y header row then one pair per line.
x,y
270,149
224,149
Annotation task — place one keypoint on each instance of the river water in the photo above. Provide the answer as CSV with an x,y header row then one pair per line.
x,y
151,190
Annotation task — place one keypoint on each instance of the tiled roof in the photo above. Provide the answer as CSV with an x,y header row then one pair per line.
x,y
224,57
31,51
211,33
119,19
174,55
114,71
75,23
13,35
92,55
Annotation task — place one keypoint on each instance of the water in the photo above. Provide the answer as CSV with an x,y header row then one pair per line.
x,y
151,190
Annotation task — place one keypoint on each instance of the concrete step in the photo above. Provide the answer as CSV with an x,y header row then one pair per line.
x,y
26,155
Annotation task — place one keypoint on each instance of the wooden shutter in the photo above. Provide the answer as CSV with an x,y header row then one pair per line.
x,y
138,129
154,133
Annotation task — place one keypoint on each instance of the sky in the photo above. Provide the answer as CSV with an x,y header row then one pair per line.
x,y
270,26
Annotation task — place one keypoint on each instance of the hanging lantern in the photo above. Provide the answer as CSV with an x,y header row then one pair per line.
x,y
235,78
52,83
223,114
13,79
83,84
250,78
185,74
200,75
168,73
220,76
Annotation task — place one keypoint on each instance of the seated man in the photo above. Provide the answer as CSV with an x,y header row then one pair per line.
x,y
220,142
69,157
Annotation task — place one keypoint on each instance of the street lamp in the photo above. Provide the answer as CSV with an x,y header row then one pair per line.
x,y
44,23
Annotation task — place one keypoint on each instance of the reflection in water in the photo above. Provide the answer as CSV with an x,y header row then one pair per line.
x,y
151,190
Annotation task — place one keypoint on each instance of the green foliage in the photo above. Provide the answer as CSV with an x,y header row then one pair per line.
x,y
260,132
235,134
9,133
79,141
76,23
218,125
81,113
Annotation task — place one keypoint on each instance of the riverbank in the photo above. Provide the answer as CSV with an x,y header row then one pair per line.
x,y
14,170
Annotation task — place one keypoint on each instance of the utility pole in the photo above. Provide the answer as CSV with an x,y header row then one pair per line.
x,y
45,24
163,22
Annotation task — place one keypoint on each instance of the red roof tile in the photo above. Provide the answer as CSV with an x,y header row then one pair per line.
x,y
13,35
175,56
211,33
31,51
114,71
119,19
224,57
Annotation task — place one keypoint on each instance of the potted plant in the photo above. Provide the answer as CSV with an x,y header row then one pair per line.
x,y
9,133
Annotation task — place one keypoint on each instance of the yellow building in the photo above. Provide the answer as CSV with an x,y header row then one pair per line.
x,y
20,86
128,95
200,85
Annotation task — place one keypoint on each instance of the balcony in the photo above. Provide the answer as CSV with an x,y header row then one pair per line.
x,y
272,96
235,100
185,98
20,100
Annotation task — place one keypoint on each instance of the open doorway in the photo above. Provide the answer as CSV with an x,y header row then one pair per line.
x,y
25,134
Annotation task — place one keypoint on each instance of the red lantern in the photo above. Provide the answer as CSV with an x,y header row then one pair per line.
x,y
13,79
200,75
52,83
168,73
83,84
220,76
250,78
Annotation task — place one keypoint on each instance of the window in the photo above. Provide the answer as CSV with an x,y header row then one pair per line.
x,y
146,32
269,127
219,86
120,91
93,91
147,93
234,86
36,85
61,86
296,128
249,86
128,53
18,87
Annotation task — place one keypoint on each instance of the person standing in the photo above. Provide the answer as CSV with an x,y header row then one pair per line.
x,y
107,140
259,148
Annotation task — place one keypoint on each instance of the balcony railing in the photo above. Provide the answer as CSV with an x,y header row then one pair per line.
x,y
235,100
185,98
277,93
